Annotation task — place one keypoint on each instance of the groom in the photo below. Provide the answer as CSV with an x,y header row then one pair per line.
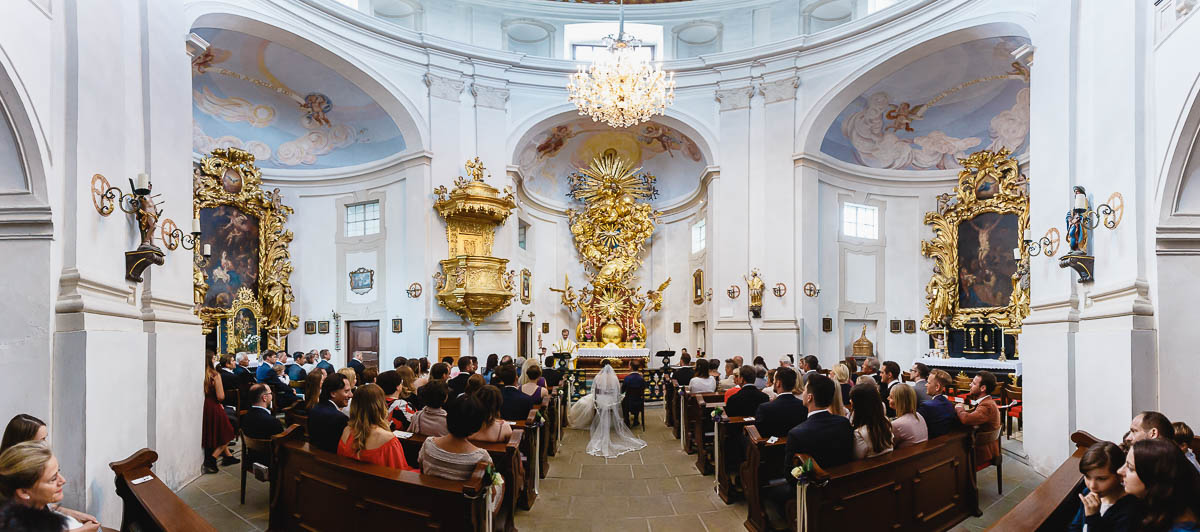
x,y
516,404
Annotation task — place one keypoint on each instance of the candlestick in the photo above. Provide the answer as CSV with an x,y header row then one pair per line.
x,y
195,226
1028,235
208,250
1081,202
143,182
1016,253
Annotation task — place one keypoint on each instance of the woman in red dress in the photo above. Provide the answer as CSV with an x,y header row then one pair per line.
x,y
218,432
367,436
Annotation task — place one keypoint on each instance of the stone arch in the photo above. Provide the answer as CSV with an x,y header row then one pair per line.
x,y
400,108
812,129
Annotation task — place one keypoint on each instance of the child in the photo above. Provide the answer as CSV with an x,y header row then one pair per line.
x,y
1183,437
1104,504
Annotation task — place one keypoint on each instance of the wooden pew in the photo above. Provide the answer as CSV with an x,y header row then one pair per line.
x,y
316,490
927,486
544,438
689,412
553,411
730,435
293,417
670,395
1054,503
530,457
763,467
150,505
506,457
704,430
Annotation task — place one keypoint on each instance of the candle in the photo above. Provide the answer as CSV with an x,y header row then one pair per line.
x,y
143,181
208,250
195,226
1016,253
1081,202
1028,235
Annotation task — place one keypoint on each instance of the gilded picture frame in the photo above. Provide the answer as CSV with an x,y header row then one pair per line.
x,y
990,184
526,286
229,179
698,286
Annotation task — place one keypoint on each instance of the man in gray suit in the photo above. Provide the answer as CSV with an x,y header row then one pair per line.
x,y
919,373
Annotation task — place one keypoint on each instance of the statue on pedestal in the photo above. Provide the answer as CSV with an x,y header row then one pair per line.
x,y
755,286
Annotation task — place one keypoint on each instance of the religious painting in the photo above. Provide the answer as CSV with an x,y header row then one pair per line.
x,y
526,286
362,281
323,327
397,325
698,286
894,326
233,236
245,331
910,326
826,324
985,261
310,327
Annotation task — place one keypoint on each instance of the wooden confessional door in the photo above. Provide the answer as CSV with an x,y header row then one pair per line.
x,y
526,338
363,336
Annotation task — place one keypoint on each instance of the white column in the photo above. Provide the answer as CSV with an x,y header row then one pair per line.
x,y
728,215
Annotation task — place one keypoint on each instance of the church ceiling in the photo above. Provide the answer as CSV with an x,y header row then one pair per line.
x,y
663,151
284,107
931,111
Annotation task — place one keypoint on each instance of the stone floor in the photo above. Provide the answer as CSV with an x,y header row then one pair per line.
x,y
655,489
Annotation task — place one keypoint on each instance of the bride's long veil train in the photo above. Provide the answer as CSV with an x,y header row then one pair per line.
x,y
602,408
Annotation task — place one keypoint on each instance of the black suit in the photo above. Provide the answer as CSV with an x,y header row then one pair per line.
x,y
325,425
516,404
358,368
229,382
458,384
777,417
260,423
552,376
827,438
746,401
884,391
684,375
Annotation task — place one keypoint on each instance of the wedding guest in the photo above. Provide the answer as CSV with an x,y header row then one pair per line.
x,y
1166,484
785,361
449,362
938,411
258,421
516,405
780,415
357,365
15,516
229,380
268,365
29,476
310,362
431,420
474,384
367,436
452,456
838,407
458,383
422,372
439,372
399,411
495,428
872,431
684,373
870,368
369,375
1150,425
326,420
909,427
408,387
984,415
1183,437
864,379
735,386
285,395
312,392
243,363
702,382
827,438
532,383
920,374
216,431
746,400
399,361
1104,505
293,369
760,376
889,378
841,376
809,365
326,362
730,368
769,389
23,427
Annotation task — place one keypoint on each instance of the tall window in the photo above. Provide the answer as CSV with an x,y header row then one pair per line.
x,y
860,221
362,219
522,235
698,237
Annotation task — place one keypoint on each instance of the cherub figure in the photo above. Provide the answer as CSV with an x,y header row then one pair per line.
x,y
317,107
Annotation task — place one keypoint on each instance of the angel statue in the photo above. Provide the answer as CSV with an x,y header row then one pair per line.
x,y
439,281
510,281
655,296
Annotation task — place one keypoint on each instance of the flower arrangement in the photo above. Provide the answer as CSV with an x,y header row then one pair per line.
x,y
718,414
803,472
493,476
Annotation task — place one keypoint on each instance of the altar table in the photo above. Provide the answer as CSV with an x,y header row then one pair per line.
x,y
1007,366
616,352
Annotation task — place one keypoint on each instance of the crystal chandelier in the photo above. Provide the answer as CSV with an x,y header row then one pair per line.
x,y
620,88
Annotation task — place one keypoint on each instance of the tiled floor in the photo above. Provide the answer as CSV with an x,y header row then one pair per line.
x,y
655,489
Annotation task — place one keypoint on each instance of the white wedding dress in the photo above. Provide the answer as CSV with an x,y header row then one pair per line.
x,y
602,408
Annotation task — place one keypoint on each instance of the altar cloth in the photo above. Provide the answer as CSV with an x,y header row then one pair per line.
x,y
603,352
972,363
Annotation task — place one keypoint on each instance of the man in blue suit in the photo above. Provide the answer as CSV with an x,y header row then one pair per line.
x,y
938,411
824,436
780,415
326,421
516,404
264,369
326,364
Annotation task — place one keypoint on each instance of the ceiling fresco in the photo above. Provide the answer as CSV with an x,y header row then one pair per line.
x,y
668,154
945,105
284,107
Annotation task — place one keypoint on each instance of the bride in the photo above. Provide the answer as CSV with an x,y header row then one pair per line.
x,y
602,408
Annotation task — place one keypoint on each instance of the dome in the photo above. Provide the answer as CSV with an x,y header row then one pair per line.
x,y
289,110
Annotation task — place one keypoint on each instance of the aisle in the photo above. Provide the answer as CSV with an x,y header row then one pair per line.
x,y
655,489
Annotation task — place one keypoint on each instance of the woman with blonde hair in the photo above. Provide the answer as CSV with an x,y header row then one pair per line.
x,y
841,376
312,390
408,386
474,384
29,476
909,427
525,377
367,436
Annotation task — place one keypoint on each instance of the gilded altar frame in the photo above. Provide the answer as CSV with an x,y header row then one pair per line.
x,y
989,182
274,290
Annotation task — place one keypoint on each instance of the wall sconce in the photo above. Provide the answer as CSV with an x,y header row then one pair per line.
x,y
734,291
140,204
779,289
414,290
1081,220
1048,243
811,289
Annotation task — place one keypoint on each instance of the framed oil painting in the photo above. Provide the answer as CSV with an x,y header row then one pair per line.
x,y
698,286
910,326
234,238
985,260
894,326
362,281
526,286
322,327
310,327
397,325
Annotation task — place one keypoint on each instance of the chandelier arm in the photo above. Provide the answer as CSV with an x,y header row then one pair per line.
x,y
621,23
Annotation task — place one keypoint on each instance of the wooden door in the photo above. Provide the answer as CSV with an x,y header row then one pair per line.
x,y
526,336
449,347
363,336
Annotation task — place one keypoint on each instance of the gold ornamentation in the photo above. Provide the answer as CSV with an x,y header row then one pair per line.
x,y
274,261
990,182
862,346
779,290
620,88
609,234
755,285
478,286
